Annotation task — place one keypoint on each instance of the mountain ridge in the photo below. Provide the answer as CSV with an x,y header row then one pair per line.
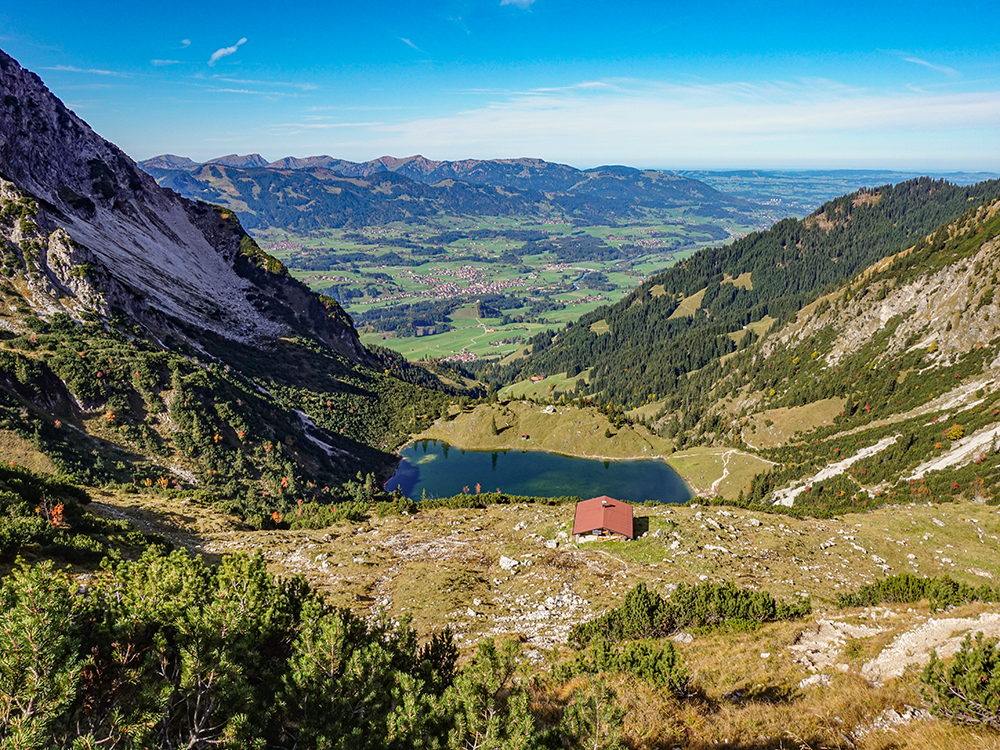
x,y
526,173
659,342
151,252
333,193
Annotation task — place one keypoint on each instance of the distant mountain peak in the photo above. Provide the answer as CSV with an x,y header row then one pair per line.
x,y
170,161
249,161
309,162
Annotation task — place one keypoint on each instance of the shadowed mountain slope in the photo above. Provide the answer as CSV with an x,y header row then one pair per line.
x,y
146,337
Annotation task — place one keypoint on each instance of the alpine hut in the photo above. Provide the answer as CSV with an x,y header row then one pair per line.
x,y
602,518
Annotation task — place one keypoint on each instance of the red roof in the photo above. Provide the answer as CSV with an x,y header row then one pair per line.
x,y
603,513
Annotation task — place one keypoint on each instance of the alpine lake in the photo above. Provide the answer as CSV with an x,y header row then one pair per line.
x,y
434,468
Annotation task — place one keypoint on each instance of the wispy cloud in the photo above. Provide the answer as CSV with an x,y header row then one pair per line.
x,y
939,68
185,42
162,63
284,84
575,86
219,85
352,108
293,127
525,4
74,69
652,123
411,45
242,91
225,52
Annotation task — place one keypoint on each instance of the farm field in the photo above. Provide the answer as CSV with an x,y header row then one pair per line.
x,y
468,289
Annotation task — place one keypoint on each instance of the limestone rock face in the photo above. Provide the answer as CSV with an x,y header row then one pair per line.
x,y
105,235
947,311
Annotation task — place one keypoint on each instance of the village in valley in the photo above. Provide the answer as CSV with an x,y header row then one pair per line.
x,y
428,282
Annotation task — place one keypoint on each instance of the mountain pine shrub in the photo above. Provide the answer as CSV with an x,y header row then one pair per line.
x,y
646,614
906,588
967,689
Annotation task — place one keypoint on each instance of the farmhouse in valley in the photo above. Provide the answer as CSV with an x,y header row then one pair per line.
x,y
603,518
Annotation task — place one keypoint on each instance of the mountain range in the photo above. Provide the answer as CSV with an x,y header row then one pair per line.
x,y
321,191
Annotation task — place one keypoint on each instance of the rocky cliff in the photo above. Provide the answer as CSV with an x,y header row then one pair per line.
x,y
104,236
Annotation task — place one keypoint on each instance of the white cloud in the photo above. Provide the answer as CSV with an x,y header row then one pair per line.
x,y
519,3
185,42
769,123
939,68
161,63
225,51
410,44
294,127
286,84
74,69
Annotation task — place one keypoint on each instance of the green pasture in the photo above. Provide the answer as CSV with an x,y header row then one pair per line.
x,y
689,305
468,334
727,469
543,389
547,279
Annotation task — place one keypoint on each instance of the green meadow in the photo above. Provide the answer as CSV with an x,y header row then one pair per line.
x,y
437,274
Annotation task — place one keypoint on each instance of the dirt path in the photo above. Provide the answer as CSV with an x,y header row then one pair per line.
x,y
472,340
725,471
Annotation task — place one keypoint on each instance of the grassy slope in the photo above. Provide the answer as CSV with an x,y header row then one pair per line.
x,y
571,431
377,562
441,566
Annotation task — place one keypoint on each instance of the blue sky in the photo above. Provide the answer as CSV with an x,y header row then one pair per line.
x,y
712,85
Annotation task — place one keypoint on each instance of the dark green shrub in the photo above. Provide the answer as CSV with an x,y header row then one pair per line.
x,y
654,661
645,614
711,604
966,690
907,588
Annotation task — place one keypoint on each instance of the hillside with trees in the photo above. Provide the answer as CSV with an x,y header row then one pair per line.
x,y
644,349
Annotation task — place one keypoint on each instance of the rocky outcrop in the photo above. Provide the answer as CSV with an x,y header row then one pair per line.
x,y
107,237
947,311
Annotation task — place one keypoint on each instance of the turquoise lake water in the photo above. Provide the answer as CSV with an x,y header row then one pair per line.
x,y
444,470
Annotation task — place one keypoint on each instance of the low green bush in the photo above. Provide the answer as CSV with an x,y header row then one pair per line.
x,y
906,588
966,690
653,661
646,614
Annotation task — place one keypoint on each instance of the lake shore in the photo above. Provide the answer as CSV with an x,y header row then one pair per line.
x,y
580,433
441,469
566,430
